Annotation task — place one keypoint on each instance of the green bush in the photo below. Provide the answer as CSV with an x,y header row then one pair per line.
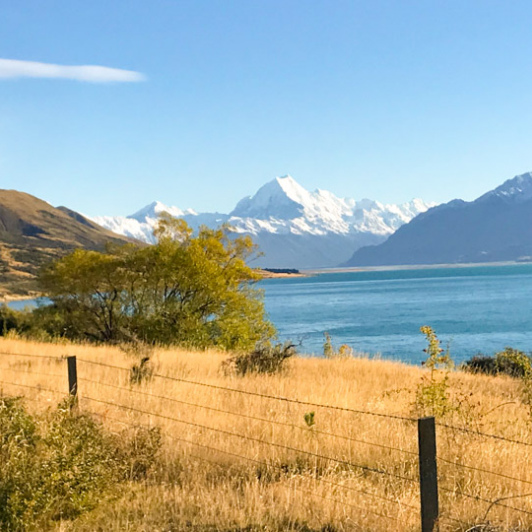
x,y
19,501
514,363
63,464
329,351
13,320
510,362
432,397
265,358
138,451
480,364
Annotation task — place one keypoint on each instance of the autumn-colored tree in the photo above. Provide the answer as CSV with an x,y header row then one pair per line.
x,y
193,290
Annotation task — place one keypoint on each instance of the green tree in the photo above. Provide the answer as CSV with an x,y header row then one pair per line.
x,y
190,290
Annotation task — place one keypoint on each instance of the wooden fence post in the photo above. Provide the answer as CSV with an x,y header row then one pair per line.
x,y
428,474
72,379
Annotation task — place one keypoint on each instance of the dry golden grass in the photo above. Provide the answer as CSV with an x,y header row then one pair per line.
x,y
232,478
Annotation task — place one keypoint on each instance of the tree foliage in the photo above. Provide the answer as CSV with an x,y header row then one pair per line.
x,y
190,290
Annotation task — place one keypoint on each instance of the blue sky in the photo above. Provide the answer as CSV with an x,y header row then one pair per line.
x,y
210,99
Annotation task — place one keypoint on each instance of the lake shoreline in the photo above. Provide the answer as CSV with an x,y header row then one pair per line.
x,y
402,267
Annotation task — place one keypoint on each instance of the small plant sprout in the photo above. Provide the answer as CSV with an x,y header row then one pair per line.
x,y
309,419
329,351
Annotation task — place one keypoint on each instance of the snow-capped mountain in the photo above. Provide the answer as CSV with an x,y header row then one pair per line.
x,y
517,189
494,227
294,228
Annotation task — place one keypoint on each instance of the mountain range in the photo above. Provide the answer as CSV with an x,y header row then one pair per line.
x,y
497,226
293,227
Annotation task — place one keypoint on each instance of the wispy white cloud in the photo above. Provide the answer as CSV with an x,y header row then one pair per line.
x,y
11,68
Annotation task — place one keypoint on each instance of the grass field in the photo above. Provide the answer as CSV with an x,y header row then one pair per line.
x,y
243,461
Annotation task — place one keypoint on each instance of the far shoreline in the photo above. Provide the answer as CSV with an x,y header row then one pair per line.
x,y
401,267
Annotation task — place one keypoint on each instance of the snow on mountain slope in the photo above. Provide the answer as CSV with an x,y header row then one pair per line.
x,y
154,210
517,189
495,227
293,226
287,207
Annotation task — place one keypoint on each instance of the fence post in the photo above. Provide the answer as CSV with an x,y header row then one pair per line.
x,y
72,379
428,474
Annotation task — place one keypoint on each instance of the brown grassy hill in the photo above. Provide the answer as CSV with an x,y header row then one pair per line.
x,y
32,232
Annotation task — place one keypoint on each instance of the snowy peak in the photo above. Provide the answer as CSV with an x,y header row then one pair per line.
x,y
517,189
495,227
155,209
283,199
291,225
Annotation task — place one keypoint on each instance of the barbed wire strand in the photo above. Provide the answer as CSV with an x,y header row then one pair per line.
x,y
256,440
303,490
480,470
49,357
262,395
39,388
38,373
452,519
102,364
277,466
482,434
487,501
247,416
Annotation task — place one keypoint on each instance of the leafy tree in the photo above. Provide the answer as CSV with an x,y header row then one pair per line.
x,y
191,290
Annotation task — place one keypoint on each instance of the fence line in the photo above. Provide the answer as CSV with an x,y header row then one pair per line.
x,y
482,434
247,416
266,464
49,357
495,502
262,395
306,492
256,440
38,388
480,470
492,502
38,373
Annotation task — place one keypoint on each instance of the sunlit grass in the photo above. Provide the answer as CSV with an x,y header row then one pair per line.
x,y
233,477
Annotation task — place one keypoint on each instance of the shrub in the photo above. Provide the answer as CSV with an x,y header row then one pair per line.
x,y
481,364
329,351
514,363
510,362
79,462
12,320
63,464
432,393
138,451
265,358
20,476
141,372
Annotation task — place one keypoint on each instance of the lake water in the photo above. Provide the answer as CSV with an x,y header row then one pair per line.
x,y
473,309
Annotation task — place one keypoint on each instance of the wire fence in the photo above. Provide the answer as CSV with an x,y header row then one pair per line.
x,y
405,469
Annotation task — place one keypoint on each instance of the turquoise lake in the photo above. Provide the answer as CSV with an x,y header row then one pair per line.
x,y
472,309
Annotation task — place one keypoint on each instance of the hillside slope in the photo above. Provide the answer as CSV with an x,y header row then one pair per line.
x,y
32,232
494,227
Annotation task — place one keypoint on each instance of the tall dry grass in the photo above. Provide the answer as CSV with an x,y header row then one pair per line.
x,y
249,475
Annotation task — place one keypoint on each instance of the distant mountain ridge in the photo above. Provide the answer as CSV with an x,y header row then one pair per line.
x,y
293,227
32,232
497,226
